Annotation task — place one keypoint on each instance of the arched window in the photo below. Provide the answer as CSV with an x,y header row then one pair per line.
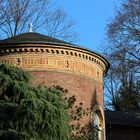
x,y
97,126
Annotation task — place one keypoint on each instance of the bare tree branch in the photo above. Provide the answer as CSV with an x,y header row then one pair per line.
x,y
15,16
123,33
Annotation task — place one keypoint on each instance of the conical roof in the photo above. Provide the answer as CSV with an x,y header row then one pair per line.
x,y
31,37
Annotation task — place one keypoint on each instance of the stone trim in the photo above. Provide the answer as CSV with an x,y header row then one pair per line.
x,y
99,110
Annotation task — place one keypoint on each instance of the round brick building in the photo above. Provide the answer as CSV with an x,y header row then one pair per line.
x,y
55,62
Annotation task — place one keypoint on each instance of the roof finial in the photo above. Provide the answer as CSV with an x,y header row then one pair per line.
x,y
30,27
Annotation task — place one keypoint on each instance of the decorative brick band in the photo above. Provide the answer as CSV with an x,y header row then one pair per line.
x,y
59,58
53,51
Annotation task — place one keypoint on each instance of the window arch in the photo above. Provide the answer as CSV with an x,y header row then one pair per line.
x,y
98,122
97,126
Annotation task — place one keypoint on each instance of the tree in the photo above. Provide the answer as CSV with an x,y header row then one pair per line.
x,y
128,98
38,113
28,112
122,82
124,30
15,16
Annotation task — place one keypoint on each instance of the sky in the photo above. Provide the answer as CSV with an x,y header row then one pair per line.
x,y
91,18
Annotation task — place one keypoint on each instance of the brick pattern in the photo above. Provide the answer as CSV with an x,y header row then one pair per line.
x,y
64,63
56,50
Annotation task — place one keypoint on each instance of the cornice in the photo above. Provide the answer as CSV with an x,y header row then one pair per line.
x,y
57,50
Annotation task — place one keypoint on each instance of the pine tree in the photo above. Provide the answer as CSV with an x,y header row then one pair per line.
x,y
128,98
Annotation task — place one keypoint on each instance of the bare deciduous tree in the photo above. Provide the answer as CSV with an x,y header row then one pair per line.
x,y
123,34
15,16
124,30
122,75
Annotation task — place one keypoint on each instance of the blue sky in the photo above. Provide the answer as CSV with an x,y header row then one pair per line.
x,y
91,18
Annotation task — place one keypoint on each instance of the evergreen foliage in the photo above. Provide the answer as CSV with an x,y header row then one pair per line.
x,y
37,113
30,113
128,98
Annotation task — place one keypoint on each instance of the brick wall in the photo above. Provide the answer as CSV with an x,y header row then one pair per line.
x,y
86,90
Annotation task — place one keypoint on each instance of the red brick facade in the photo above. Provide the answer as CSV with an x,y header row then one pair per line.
x,y
83,88
76,69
